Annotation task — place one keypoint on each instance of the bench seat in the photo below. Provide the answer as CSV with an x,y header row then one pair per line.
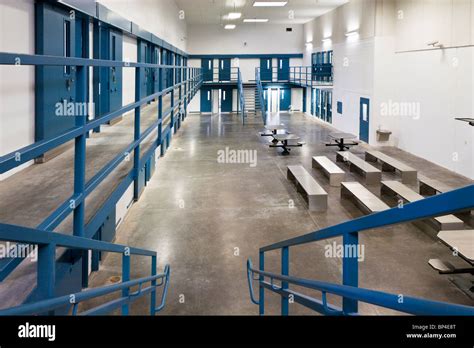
x,y
431,187
314,194
364,198
371,174
335,174
447,222
462,241
409,174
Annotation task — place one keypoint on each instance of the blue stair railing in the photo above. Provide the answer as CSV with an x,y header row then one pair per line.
x,y
440,205
240,87
186,88
260,94
47,242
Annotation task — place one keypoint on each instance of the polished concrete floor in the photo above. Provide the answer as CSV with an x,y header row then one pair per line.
x,y
206,218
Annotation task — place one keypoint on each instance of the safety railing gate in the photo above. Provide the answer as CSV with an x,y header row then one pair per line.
x,y
440,205
75,204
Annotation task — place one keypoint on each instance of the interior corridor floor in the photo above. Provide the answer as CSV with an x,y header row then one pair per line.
x,y
206,218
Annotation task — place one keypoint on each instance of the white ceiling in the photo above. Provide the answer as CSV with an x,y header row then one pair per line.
x,y
213,11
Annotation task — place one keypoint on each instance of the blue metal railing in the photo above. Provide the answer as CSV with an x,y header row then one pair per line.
x,y
440,205
47,242
240,87
303,76
187,88
260,94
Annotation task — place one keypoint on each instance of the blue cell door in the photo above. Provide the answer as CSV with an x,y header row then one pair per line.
x,y
224,69
55,86
207,66
226,99
155,72
115,73
285,98
265,69
144,55
164,61
318,103
329,107
364,119
283,69
206,99
313,101
171,61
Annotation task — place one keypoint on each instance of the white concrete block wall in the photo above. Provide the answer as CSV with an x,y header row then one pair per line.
x,y
17,84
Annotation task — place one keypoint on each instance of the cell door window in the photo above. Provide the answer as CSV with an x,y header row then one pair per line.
x,y
67,45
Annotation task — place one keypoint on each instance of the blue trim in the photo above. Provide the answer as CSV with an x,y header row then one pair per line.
x,y
245,56
110,17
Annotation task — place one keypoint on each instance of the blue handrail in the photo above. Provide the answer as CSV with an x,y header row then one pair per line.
x,y
241,94
440,205
47,243
260,93
187,88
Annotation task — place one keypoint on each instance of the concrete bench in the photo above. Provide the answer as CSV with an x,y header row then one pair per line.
x,y
313,193
371,174
431,187
363,197
335,174
389,164
447,222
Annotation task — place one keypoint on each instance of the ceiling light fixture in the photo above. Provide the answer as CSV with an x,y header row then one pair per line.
x,y
326,39
270,3
256,20
230,26
234,15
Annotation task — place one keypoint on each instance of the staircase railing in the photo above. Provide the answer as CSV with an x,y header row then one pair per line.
x,y
440,205
75,204
260,94
240,87
47,242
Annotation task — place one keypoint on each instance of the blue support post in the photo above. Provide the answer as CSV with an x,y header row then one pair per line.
x,y
285,269
125,278
350,270
136,152
153,283
80,170
172,111
46,268
261,267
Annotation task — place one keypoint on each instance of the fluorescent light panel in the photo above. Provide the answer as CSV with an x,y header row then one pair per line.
x,y
256,20
229,26
270,3
234,15
352,33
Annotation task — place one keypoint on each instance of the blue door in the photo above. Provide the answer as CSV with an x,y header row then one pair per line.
x,y
364,119
318,103
226,99
115,73
329,107
55,85
285,99
172,61
206,99
313,101
224,69
146,84
156,74
265,69
164,73
283,69
207,66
